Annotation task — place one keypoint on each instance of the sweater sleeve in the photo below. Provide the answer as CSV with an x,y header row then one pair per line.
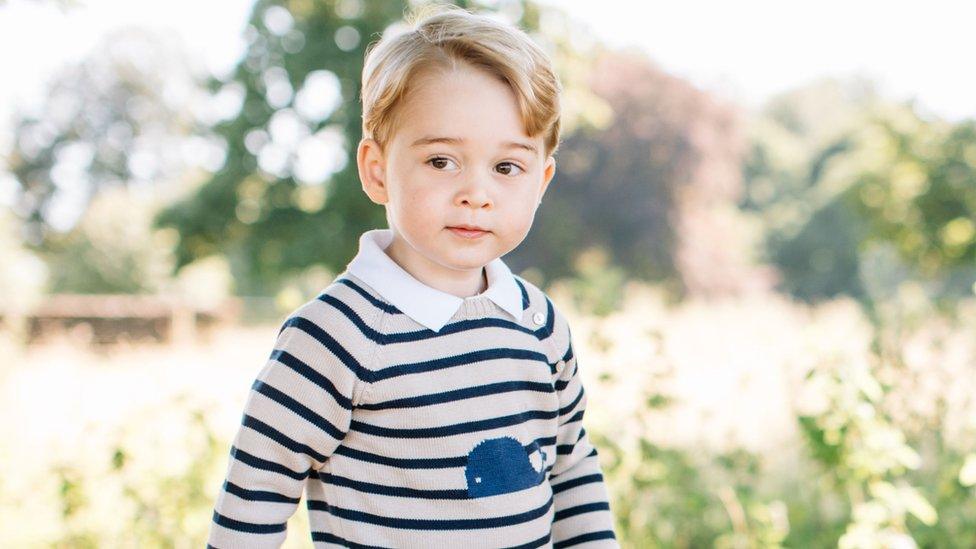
x,y
582,507
297,412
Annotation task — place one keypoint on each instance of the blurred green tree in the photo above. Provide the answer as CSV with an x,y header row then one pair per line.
x,y
112,136
287,196
858,194
810,235
123,117
112,249
918,197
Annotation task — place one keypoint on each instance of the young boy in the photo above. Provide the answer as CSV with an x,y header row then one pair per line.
x,y
428,397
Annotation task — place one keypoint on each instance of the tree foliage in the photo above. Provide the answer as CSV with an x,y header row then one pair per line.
x,y
859,194
124,116
297,83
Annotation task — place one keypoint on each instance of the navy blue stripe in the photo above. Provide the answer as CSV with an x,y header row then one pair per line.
x,y
425,463
298,408
565,449
583,538
525,294
403,463
248,527
542,442
534,543
568,448
265,465
320,335
458,327
580,509
591,454
309,373
400,491
562,383
378,303
366,329
257,495
569,352
579,481
546,331
578,416
454,429
459,360
329,537
280,438
460,394
567,408
431,524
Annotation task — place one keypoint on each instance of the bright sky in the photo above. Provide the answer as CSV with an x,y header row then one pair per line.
x,y
744,50
750,49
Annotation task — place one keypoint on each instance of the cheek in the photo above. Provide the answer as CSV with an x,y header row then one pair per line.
x,y
419,209
519,217
425,203
410,191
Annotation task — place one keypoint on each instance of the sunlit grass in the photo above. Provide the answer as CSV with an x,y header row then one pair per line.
x,y
65,405
129,444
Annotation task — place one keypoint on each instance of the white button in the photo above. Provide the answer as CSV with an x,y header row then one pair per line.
x,y
539,318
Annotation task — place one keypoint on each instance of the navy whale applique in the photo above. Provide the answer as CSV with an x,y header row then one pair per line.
x,y
501,465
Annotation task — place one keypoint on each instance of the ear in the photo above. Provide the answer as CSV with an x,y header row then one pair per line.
x,y
372,170
548,171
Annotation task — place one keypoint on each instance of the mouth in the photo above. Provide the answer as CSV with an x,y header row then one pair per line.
x,y
468,231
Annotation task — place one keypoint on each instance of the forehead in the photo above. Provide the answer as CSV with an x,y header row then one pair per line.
x,y
466,105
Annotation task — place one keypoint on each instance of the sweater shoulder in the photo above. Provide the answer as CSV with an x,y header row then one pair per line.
x,y
341,304
342,322
555,327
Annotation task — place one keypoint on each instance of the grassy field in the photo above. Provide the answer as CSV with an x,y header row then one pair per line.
x,y
127,446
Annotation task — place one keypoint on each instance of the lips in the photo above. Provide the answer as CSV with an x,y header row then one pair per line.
x,y
464,232
468,227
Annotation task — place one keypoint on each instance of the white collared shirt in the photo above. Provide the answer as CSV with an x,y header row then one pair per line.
x,y
429,306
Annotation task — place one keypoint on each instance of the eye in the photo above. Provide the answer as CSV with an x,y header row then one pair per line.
x,y
439,162
511,166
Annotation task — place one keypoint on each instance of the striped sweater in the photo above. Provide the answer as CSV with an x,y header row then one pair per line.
x,y
404,436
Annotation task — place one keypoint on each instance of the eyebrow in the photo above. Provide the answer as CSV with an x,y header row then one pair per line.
x,y
457,141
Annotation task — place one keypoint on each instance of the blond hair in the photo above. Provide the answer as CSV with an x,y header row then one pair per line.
x,y
440,36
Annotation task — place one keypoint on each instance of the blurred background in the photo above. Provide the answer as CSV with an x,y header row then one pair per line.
x,y
761,228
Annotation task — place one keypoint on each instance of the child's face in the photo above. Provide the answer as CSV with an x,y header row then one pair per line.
x,y
450,162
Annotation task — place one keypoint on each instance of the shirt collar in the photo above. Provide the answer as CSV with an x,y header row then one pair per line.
x,y
428,306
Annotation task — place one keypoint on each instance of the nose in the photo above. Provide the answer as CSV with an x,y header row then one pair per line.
x,y
476,192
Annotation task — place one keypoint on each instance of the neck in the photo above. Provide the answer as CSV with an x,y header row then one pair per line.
x,y
462,284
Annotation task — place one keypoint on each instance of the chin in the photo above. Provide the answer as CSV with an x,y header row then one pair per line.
x,y
468,263
470,266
